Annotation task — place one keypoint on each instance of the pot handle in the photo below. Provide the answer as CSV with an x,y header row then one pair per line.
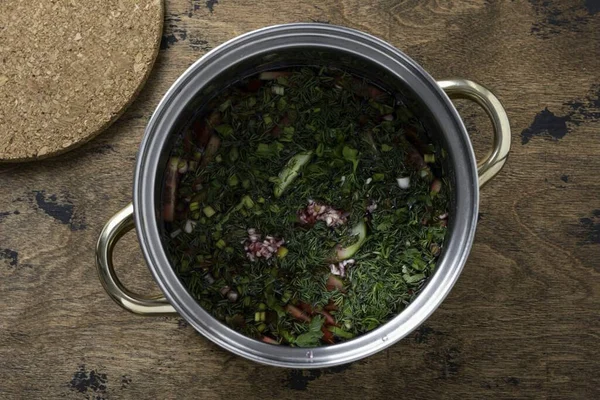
x,y
115,228
495,159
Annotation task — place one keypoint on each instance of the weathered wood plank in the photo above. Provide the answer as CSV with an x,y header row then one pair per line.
x,y
522,322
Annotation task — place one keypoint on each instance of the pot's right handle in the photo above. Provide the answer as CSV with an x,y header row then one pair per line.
x,y
115,228
494,161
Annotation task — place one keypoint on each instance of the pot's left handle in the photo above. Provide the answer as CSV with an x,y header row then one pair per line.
x,y
115,228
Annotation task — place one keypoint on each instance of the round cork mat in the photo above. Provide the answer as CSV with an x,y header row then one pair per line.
x,y
69,68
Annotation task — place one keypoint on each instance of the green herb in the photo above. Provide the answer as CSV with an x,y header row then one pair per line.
x,y
378,177
224,130
288,134
340,332
269,150
351,155
313,336
234,154
274,148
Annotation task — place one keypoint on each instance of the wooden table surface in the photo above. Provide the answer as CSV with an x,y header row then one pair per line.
x,y
522,321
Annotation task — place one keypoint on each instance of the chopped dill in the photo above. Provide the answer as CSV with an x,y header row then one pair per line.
x,y
305,206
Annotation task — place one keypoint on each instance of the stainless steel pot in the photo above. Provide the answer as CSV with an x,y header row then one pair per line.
x,y
308,44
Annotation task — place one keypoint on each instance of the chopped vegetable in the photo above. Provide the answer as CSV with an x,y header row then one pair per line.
x,y
182,167
436,186
340,332
403,183
224,130
378,177
170,192
327,336
279,90
269,340
271,75
203,128
297,313
189,226
314,334
305,207
269,150
359,230
351,155
233,180
329,320
211,150
321,212
334,283
291,171
282,252
339,268
209,211
232,296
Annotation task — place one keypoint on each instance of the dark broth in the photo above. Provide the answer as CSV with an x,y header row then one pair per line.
x,y
305,206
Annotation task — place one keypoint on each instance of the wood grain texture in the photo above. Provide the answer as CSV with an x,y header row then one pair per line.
x,y
68,70
522,322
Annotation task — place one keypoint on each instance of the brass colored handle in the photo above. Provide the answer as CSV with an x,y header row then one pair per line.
x,y
495,159
115,228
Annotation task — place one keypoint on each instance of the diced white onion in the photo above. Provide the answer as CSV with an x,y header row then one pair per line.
x,y
232,296
224,290
403,183
189,226
279,90
209,279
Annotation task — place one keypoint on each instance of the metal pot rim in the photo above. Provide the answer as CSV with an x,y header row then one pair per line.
x,y
327,37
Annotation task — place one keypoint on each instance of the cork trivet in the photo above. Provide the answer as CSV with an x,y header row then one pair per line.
x,y
69,68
